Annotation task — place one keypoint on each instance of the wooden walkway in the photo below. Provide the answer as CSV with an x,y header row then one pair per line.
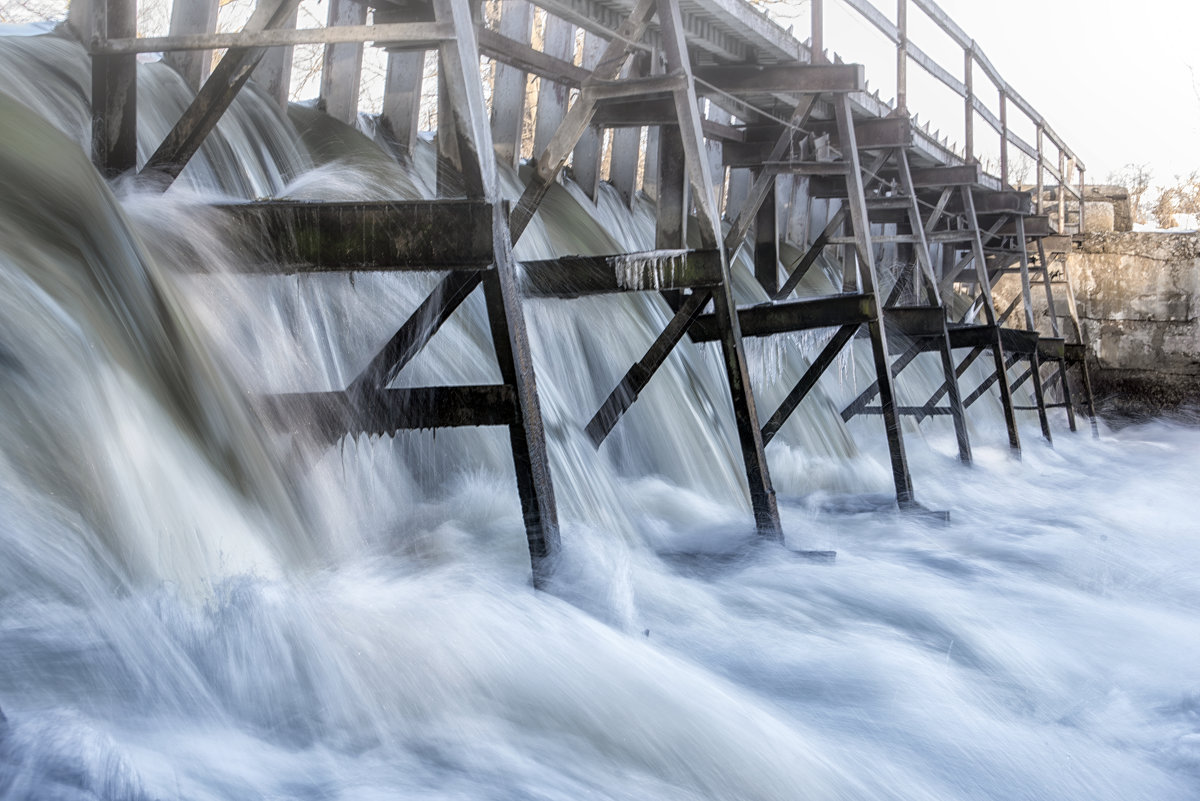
x,y
750,136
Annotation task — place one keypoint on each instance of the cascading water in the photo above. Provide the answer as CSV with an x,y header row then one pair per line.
x,y
193,608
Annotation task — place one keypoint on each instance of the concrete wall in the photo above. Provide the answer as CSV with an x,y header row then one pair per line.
x,y
1138,303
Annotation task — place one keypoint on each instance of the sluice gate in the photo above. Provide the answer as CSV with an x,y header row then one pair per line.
x,y
744,136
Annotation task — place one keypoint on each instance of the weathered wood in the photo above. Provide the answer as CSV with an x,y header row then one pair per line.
x,y
577,119
527,435
114,92
954,175
414,35
458,75
811,255
578,276
762,494
559,43
299,236
508,93
626,392
552,65
402,98
214,97
847,135
417,330
769,319
791,78
332,415
585,159
195,17
766,243
671,211
809,380
274,70
341,73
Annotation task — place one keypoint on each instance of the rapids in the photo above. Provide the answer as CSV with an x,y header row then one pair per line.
x,y
192,606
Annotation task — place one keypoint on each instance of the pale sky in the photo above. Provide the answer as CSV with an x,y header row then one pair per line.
x,y
1112,77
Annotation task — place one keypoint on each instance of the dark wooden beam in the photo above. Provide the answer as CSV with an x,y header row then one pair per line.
x,y
576,276
114,95
507,51
332,415
322,237
809,380
793,315
798,78
215,97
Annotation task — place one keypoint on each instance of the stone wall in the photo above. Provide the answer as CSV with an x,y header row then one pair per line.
x,y
1138,298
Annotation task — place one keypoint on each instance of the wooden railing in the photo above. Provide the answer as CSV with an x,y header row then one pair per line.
x,y
1051,155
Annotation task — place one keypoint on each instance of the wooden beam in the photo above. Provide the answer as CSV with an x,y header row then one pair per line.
x,y
790,78
784,317
402,98
320,237
114,92
508,93
585,159
196,17
809,380
332,415
559,43
638,376
341,74
500,46
274,71
577,276
409,35
215,97
551,160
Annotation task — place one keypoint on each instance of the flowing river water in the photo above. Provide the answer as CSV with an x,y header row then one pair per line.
x,y
193,606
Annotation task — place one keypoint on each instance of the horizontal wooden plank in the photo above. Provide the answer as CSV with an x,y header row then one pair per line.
x,y
790,78
417,35
793,315
915,321
523,57
332,415
938,177
873,134
1054,348
633,87
299,236
576,276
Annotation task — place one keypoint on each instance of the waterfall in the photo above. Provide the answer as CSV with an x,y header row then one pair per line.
x,y
195,606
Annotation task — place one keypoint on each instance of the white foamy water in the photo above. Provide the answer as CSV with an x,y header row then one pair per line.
x,y
194,607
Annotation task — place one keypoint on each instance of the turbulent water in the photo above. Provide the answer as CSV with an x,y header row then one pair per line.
x,y
195,606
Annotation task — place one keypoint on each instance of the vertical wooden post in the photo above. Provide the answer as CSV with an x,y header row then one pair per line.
x,y
402,97
902,55
857,202
989,311
671,215
114,91
459,72
758,477
508,92
197,16
1041,165
1062,190
274,72
585,164
559,42
622,171
1003,138
1082,205
766,242
969,118
650,165
341,76
80,17
817,16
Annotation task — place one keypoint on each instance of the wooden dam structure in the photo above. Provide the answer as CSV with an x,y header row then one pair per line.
x,y
740,121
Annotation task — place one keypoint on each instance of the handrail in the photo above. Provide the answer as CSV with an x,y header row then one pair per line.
x,y
897,33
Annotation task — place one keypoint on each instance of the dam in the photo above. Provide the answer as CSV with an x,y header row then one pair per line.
x,y
672,417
